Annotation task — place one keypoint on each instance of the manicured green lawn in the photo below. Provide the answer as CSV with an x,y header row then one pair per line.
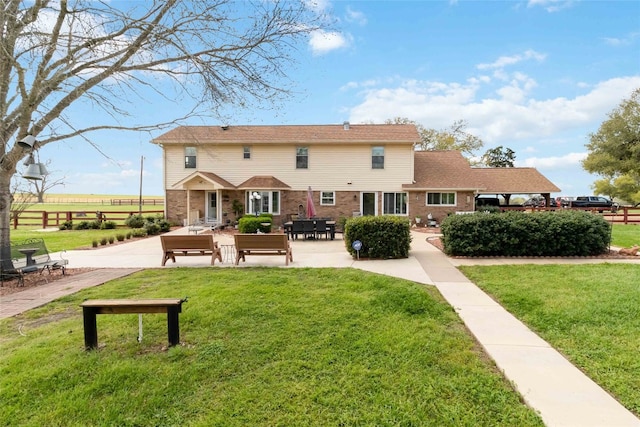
x,y
625,236
261,347
590,313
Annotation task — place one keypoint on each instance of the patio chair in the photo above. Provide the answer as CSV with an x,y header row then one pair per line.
x,y
321,228
296,229
308,229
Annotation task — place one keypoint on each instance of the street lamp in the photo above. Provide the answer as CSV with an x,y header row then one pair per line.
x,y
256,204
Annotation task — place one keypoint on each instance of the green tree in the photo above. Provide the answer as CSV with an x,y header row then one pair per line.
x,y
108,55
499,157
614,150
454,137
623,187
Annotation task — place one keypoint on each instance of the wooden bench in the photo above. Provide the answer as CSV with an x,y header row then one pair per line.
x,y
30,256
91,308
189,245
262,244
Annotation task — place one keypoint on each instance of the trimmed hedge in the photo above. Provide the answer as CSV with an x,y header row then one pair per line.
x,y
382,237
561,233
251,224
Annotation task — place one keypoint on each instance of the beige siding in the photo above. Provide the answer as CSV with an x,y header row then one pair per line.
x,y
330,167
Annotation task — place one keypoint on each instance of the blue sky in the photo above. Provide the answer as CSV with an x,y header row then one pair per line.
x,y
536,76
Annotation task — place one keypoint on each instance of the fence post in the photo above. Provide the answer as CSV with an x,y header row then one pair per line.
x,y
45,219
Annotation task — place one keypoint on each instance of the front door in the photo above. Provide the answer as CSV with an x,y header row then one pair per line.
x,y
212,207
369,203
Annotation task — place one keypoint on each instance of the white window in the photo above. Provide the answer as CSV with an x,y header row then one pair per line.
x,y
441,199
260,201
327,198
190,157
246,152
377,157
394,203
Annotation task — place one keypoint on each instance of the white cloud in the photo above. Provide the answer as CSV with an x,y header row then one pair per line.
x,y
355,16
513,115
552,162
624,41
505,61
551,5
322,42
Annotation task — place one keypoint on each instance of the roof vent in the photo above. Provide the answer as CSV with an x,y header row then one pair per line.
x,y
345,125
224,127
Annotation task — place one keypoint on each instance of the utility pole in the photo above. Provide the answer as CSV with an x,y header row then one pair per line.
x,y
140,199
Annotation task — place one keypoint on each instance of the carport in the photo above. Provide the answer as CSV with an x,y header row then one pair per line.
x,y
509,181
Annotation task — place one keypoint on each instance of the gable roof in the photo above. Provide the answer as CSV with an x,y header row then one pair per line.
x,y
292,134
263,183
449,170
212,178
441,170
513,181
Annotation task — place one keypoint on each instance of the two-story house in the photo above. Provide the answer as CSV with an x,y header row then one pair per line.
x,y
365,169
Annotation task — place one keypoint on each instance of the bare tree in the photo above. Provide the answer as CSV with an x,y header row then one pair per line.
x,y
453,138
99,55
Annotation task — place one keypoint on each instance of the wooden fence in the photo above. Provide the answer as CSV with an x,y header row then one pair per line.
x,y
623,215
136,202
46,219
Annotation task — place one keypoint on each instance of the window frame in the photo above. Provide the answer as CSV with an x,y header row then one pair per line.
x,y
300,157
399,207
440,198
273,202
377,160
327,198
246,152
190,160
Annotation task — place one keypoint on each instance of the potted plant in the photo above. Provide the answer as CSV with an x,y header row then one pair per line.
x,y
237,208
418,220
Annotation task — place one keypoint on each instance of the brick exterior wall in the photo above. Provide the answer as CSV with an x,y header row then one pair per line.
x,y
295,202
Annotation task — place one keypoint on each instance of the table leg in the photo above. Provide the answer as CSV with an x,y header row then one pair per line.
x,y
90,328
173,325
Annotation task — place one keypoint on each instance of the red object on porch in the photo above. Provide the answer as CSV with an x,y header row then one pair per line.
x,y
311,209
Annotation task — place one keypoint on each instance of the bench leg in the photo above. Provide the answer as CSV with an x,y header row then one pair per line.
x,y
173,326
90,328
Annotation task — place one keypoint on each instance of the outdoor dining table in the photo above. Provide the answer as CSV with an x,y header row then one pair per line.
x,y
331,225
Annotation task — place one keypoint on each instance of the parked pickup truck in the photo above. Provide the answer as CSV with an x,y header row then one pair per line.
x,y
595,202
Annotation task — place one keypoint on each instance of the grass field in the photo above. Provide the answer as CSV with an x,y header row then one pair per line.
x,y
261,347
587,312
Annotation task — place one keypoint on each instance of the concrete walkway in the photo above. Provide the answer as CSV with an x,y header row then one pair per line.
x,y
560,392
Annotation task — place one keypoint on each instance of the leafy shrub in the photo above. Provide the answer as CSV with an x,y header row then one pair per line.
x,y
108,225
94,243
128,235
103,241
134,221
95,224
151,228
67,225
164,225
382,237
251,224
111,239
82,225
561,233
138,232
120,237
